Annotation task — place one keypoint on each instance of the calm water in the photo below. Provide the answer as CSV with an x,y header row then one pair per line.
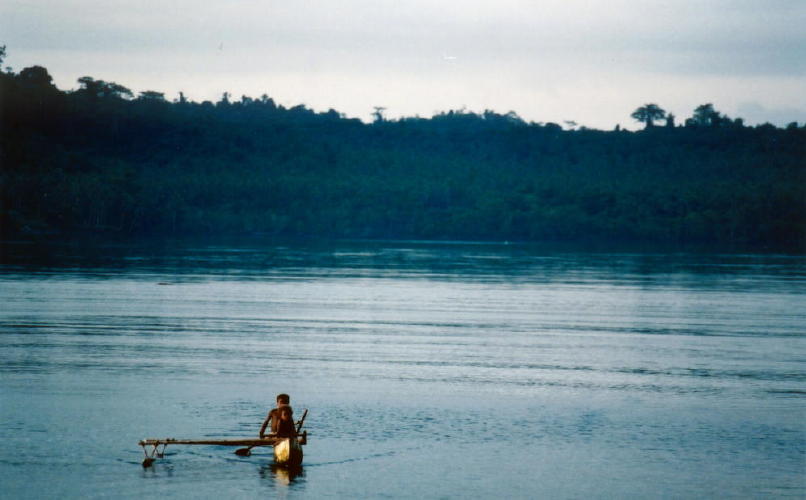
x,y
437,371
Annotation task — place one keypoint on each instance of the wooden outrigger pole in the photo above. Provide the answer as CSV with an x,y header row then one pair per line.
x,y
287,450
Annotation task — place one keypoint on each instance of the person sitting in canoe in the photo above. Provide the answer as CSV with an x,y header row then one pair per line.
x,y
280,418
285,426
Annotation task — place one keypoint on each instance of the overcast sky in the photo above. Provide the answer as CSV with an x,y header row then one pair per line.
x,y
593,62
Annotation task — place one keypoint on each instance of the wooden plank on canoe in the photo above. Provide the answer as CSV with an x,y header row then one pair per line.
x,y
269,441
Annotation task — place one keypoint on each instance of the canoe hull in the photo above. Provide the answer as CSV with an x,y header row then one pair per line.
x,y
288,451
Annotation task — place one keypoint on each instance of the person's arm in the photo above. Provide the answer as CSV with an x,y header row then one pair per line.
x,y
265,424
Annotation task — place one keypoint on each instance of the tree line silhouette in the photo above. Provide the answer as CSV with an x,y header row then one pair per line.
x,y
100,160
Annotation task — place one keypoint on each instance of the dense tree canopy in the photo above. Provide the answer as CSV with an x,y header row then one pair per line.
x,y
648,114
97,160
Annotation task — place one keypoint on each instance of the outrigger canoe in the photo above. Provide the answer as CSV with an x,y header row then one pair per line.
x,y
287,450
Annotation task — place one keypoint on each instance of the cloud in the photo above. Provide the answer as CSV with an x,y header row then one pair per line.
x,y
592,62
686,35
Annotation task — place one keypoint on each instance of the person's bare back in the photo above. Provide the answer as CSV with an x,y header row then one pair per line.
x,y
280,419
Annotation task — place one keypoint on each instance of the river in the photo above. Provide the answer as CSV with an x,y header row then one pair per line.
x,y
430,370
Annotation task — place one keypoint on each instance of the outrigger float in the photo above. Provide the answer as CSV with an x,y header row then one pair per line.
x,y
287,450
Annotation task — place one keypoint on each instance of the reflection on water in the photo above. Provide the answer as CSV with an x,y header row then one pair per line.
x,y
678,375
282,475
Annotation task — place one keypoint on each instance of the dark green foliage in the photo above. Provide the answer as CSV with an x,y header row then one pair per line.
x,y
648,114
97,161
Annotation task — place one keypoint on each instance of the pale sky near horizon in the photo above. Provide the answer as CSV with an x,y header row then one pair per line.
x,y
592,62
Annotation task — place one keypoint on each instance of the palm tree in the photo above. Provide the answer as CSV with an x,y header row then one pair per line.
x,y
648,113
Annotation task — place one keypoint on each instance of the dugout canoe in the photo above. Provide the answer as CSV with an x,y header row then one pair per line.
x,y
287,450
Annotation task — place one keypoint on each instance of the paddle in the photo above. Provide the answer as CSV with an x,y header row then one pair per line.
x,y
302,420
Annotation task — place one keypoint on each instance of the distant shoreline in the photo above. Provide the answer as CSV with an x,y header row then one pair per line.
x,y
96,162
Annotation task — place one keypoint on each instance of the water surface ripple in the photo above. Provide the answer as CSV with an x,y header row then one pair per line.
x,y
430,370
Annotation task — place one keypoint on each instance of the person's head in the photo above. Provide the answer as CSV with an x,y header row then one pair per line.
x,y
283,399
285,413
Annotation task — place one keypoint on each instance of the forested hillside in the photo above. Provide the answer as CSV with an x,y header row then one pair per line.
x,y
99,160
